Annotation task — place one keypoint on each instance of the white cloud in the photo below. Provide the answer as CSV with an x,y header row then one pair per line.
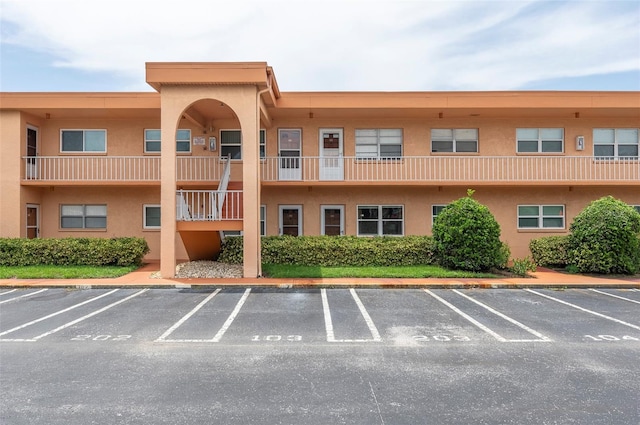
x,y
341,45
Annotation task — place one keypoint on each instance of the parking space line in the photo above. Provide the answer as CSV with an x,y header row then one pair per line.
x,y
21,296
505,317
372,327
56,313
87,316
328,324
595,313
8,292
187,316
232,316
615,296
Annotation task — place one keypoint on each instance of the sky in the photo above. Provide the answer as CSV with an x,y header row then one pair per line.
x,y
326,45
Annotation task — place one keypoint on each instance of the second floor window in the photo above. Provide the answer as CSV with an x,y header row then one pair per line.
x,y
379,143
231,143
73,141
153,140
540,140
615,142
462,140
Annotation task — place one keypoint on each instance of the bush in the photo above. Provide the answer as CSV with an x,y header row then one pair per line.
x,y
467,237
72,251
550,251
336,250
522,266
604,238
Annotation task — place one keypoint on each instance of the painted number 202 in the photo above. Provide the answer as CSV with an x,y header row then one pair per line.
x,y
274,338
101,338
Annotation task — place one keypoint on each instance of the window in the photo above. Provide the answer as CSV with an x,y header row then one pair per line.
x,y
153,140
83,141
636,207
380,220
615,142
151,219
379,143
435,210
263,220
540,216
537,140
231,143
83,216
460,140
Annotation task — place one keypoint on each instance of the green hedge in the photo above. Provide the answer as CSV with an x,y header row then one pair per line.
x,y
550,251
336,250
72,251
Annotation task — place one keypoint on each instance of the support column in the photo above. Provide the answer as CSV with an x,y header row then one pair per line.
x,y
168,125
11,204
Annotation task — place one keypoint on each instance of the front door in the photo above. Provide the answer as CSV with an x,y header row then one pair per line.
x,y
331,154
289,151
33,221
32,152
291,220
332,217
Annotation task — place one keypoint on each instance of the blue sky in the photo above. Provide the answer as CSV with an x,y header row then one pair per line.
x,y
326,45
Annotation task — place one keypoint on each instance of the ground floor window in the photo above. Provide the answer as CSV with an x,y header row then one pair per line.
x,y
541,216
151,217
83,216
380,220
435,210
263,220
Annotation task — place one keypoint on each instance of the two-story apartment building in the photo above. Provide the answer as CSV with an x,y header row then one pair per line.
x,y
218,148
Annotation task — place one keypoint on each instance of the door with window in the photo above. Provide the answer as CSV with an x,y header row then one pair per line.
x,y
332,220
291,220
32,152
331,154
289,152
33,221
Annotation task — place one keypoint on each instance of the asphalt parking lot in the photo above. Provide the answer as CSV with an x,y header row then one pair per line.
x,y
318,356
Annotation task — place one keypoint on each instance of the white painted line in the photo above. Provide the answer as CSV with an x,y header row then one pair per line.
x,y
372,327
66,325
505,317
466,316
58,312
21,296
375,399
187,316
328,324
615,296
232,316
585,310
8,292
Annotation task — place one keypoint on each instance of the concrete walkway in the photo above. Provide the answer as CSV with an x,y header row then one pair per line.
x,y
143,278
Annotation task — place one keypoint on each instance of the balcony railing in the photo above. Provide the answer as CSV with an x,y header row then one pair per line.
x,y
208,205
494,169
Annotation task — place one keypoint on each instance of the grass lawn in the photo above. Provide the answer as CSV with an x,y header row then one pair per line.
x,y
63,272
290,271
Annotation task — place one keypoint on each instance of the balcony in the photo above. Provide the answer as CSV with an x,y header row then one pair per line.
x,y
453,170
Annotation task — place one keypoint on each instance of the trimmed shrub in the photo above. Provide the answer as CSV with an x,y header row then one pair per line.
x,y
467,237
550,251
336,250
72,251
604,238
522,266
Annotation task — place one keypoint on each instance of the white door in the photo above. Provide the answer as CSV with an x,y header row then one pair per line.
x,y
289,151
290,220
32,152
332,220
331,154
33,221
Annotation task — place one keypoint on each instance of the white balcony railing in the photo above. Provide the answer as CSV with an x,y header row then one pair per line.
x,y
202,205
452,169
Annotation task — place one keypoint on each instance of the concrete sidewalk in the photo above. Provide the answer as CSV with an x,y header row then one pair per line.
x,y
143,278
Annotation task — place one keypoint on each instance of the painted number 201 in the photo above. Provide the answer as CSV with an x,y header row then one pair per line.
x,y
441,338
101,338
274,338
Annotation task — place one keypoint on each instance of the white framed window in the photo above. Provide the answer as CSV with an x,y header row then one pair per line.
x,y
83,216
435,210
153,140
290,220
456,140
615,142
263,220
74,141
540,140
541,217
231,143
151,216
380,220
383,143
